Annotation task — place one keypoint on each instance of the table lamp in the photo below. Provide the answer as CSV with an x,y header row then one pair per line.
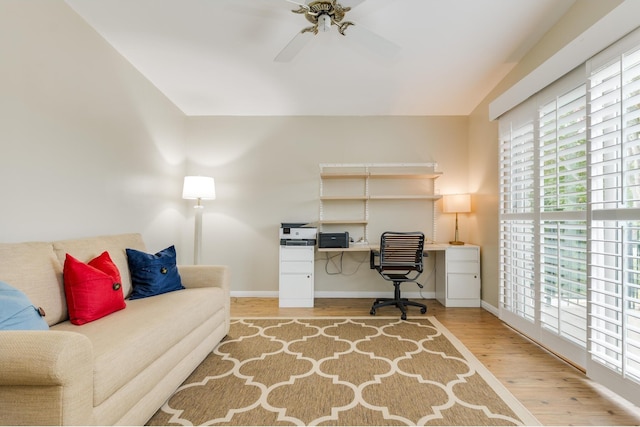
x,y
456,203
198,188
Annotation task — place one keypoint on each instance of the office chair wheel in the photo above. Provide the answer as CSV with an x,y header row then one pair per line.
x,y
373,312
423,310
404,316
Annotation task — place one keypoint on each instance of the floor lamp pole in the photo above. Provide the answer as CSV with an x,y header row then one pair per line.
x,y
197,237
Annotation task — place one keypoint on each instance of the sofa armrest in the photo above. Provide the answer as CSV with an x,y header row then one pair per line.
x,y
46,377
199,276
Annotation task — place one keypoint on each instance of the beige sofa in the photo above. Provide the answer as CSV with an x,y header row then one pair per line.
x,y
118,369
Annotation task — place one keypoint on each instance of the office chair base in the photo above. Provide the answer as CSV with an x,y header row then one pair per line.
x,y
400,303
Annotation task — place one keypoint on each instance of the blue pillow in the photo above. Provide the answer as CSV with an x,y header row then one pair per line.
x,y
153,274
17,312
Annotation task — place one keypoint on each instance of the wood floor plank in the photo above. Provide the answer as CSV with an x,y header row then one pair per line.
x,y
555,392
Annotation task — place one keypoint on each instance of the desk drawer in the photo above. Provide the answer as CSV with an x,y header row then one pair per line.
x,y
462,254
293,253
296,267
462,267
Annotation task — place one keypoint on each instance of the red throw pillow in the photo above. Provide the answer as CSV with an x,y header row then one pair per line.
x,y
92,290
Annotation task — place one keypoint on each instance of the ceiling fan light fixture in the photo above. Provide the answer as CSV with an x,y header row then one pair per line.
x,y
323,14
324,23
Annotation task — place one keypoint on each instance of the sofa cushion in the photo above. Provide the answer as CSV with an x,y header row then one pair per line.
x,y
92,247
153,274
17,312
92,290
33,268
128,341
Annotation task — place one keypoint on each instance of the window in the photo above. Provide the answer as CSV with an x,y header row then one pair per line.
x,y
543,241
516,224
563,203
570,217
615,205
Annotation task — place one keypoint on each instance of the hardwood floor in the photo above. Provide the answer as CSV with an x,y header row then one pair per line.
x,y
555,392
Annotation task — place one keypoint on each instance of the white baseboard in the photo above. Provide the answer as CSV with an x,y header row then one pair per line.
x,y
254,294
335,294
490,308
356,294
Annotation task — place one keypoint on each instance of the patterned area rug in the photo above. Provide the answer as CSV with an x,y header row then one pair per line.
x,y
341,371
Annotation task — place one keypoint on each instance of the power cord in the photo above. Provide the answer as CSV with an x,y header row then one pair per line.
x,y
340,267
420,287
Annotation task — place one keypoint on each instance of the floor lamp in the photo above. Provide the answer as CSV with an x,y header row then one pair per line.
x,y
456,203
198,188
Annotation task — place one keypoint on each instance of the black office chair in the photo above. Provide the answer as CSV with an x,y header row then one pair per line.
x,y
400,260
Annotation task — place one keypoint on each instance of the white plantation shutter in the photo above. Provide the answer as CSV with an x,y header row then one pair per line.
x,y
570,217
563,150
563,227
543,176
517,246
517,177
517,269
615,210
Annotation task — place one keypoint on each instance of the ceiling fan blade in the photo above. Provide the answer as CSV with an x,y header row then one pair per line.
x,y
372,41
294,47
299,3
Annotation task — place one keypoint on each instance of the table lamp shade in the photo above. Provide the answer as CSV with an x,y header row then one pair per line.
x,y
456,203
198,187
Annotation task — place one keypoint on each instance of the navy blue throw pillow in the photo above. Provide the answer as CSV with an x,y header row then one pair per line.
x,y
153,274
17,312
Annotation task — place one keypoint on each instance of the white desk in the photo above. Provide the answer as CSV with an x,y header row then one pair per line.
x,y
358,247
457,271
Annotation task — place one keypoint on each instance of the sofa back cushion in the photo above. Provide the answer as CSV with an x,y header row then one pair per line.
x,y
90,248
34,269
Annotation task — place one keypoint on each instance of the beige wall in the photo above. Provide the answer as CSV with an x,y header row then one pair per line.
x,y
91,147
266,171
87,145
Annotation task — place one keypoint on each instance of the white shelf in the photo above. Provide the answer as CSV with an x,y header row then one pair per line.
x,y
383,197
344,185
407,197
346,175
343,198
378,175
381,175
343,221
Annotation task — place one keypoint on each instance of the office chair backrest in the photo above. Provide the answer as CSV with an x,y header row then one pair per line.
x,y
401,250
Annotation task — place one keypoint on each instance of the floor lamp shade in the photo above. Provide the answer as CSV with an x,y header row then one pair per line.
x,y
456,203
198,188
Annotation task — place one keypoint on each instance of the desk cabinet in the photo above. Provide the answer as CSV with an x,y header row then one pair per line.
x,y
458,276
296,276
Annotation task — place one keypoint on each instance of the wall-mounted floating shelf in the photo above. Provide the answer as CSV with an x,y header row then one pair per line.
x,y
349,191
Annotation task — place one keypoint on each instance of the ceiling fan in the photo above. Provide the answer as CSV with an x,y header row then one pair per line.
x,y
323,14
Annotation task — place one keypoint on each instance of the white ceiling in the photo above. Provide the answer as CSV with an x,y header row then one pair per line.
x,y
215,57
